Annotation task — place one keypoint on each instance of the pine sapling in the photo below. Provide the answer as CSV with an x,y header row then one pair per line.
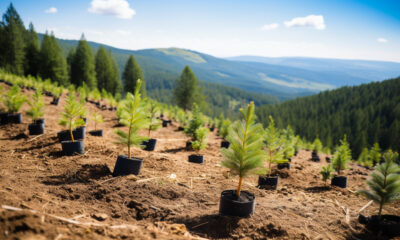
x,y
195,122
200,141
275,151
245,155
384,182
153,110
326,173
14,99
375,154
132,115
97,118
342,156
37,104
70,118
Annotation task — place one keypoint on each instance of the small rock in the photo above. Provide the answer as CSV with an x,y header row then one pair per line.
x,y
100,216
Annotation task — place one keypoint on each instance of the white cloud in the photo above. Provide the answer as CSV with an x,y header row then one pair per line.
x,y
51,10
316,21
382,40
271,26
118,8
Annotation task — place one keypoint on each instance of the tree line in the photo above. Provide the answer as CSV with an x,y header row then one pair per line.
x,y
22,53
367,114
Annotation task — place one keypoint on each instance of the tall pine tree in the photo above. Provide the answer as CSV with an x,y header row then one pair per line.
x,y
117,85
186,89
132,73
104,70
52,62
82,66
13,42
32,52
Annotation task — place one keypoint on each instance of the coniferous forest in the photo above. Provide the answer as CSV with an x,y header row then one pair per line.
x,y
367,114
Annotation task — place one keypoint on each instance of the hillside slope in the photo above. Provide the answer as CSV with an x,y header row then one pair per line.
x,y
367,114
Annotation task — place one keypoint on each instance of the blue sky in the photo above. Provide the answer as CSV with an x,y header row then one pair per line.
x,y
347,29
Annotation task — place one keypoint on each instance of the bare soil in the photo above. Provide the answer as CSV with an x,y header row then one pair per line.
x,y
45,195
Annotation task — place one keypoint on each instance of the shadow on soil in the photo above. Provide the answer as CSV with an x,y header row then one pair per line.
x,y
175,150
318,189
87,173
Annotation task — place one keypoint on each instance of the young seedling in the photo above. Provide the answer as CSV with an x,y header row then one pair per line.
x,y
224,128
37,105
317,145
342,156
365,159
326,173
200,141
97,118
375,154
195,122
14,99
245,155
154,123
70,118
133,116
275,150
384,183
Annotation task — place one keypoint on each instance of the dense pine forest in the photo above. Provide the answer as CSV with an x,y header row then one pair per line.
x,y
366,114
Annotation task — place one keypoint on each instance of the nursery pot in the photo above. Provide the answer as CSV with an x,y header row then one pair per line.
x,y
194,158
164,123
268,182
69,147
126,166
389,225
55,101
14,118
78,133
40,121
284,165
98,133
36,129
189,145
340,181
225,144
150,144
231,205
3,118
181,128
212,129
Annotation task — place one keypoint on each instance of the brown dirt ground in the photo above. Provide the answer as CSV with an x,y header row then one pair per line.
x,y
76,197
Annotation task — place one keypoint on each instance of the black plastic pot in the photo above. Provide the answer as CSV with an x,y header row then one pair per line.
x,y
225,144
328,159
268,182
181,128
150,144
78,133
69,148
55,101
40,121
36,129
196,158
126,166
189,145
283,165
164,123
212,129
315,157
340,181
3,118
389,225
14,118
97,133
231,205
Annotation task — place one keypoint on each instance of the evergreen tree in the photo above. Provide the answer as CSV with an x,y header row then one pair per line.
x,y
70,59
117,85
104,70
32,53
52,62
14,38
83,65
186,89
132,73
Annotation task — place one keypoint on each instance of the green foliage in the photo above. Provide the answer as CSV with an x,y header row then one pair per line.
x,y
195,122
365,159
104,70
37,104
71,117
224,128
14,99
83,66
375,153
153,110
132,115
52,62
245,156
186,91
384,182
326,173
341,156
275,145
32,53
200,140
132,73
97,118
317,145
